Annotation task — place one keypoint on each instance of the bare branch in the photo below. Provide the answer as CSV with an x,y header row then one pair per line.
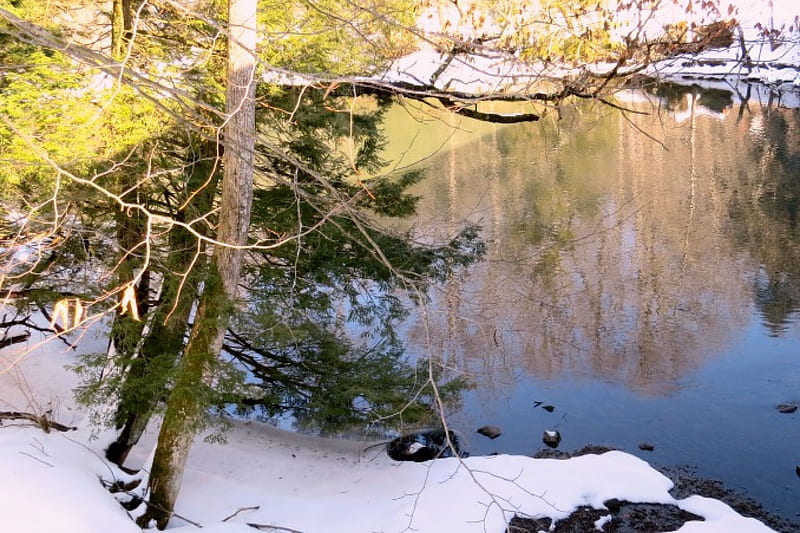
x,y
41,421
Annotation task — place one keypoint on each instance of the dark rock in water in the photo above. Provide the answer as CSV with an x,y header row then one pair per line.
x,y
549,453
424,446
626,517
614,505
490,431
519,524
646,446
797,470
546,453
786,408
548,408
552,438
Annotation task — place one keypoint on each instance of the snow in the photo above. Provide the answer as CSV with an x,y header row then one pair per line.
x,y
776,61
50,484
600,522
55,482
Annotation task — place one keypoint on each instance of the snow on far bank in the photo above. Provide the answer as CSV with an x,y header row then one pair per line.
x,y
775,60
470,18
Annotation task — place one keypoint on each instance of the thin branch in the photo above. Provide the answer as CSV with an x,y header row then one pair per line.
x,y
241,509
37,459
267,527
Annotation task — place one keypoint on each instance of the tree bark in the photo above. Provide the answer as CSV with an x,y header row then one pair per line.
x,y
164,342
121,27
186,405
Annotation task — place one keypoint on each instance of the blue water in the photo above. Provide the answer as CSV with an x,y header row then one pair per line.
x,y
649,291
721,418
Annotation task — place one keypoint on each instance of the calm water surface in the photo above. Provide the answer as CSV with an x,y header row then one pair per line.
x,y
642,276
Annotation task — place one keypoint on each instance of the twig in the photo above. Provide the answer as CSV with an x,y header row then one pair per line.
x,y
37,459
252,508
265,527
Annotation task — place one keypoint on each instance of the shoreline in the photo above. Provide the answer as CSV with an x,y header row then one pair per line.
x,y
685,480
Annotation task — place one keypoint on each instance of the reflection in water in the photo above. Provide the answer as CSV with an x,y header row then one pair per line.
x,y
632,253
611,255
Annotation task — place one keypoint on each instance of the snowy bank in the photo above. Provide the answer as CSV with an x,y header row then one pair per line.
x,y
59,482
53,482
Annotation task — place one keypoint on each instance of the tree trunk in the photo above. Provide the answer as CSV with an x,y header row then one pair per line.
x,y
145,382
185,405
129,225
121,27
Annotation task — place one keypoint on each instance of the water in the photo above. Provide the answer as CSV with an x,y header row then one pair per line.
x,y
642,276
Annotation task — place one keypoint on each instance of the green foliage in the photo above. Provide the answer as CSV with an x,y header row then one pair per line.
x,y
319,332
306,364
335,36
568,31
41,99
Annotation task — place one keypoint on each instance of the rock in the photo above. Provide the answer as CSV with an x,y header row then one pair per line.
x,y
786,408
548,408
424,446
646,446
614,505
797,470
549,453
552,438
546,453
526,524
490,431
625,517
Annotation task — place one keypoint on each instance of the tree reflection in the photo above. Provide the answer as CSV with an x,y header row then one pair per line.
x,y
611,255
769,214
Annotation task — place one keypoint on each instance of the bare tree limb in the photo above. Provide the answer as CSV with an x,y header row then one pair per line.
x,y
41,421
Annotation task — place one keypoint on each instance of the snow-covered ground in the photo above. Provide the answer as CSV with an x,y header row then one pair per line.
x,y
54,482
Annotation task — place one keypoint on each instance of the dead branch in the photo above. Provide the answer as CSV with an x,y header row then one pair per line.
x,y
5,342
41,421
265,527
241,509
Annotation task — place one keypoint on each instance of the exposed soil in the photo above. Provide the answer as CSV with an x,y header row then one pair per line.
x,y
628,517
